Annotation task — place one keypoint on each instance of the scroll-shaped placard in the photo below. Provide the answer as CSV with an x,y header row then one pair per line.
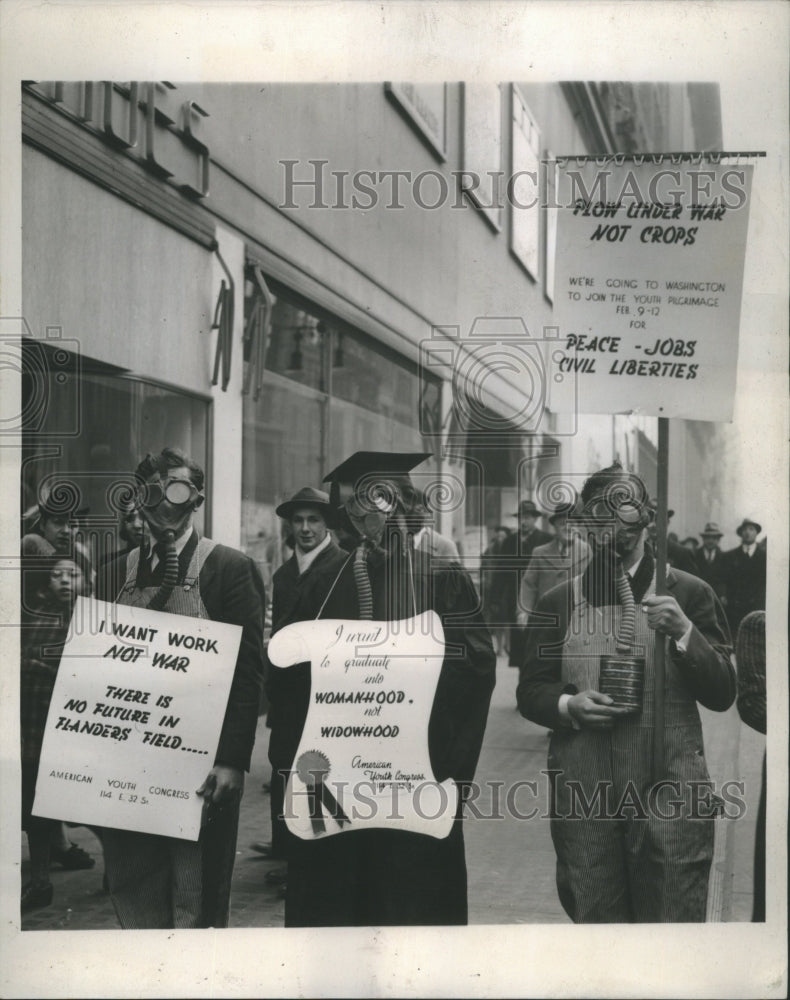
x,y
363,758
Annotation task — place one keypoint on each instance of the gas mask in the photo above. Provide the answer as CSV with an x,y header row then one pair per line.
x,y
376,512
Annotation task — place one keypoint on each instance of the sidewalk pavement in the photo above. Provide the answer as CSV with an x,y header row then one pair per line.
x,y
510,861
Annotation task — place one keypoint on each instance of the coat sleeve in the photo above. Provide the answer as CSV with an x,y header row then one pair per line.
x,y
528,592
467,678
750,654
238,598
706,666
540,675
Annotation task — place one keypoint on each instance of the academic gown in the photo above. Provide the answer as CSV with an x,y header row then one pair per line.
x,y
395,877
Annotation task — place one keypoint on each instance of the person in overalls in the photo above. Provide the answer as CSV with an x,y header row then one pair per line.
x,y
156,881
627,851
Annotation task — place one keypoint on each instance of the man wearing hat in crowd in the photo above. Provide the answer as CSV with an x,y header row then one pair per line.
x,y
385,876
627,851
744,574
561,559
514,558
298,588
710,561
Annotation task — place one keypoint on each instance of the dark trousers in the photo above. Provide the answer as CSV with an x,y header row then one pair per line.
x,y
377,878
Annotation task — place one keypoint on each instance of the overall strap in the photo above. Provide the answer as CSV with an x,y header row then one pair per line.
x,y
203,550
132,563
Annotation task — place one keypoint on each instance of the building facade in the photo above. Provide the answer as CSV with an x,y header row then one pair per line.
x,y
272,277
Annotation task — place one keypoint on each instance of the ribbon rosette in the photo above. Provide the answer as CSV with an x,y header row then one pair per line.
x,y
313,769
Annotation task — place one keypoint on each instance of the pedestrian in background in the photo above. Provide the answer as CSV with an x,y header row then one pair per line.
x,y
744,574
710,561
491,592
750,657
555,563
515,556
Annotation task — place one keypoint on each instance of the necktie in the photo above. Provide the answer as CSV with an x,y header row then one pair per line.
x,y
625,637
362,580
166,550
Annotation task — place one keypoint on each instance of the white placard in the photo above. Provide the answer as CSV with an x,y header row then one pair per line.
x,y
363,758
135,718
647,290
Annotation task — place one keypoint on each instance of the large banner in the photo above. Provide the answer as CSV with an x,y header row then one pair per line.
x,y
135,718
648,279
363,758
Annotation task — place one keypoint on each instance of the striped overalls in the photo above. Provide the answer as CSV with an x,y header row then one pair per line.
x,y
628,864
162,882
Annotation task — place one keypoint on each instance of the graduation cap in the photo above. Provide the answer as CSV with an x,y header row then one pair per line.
x,y
381,463
364,468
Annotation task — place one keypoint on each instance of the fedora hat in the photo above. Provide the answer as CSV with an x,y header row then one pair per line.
x,y
305,497
527,507
744,523
711,530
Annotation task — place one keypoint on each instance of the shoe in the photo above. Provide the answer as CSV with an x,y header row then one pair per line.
x,y
264,849
277,876
34,897
73,859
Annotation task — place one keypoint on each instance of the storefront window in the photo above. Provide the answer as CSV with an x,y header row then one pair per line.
x,y
328,390
94,428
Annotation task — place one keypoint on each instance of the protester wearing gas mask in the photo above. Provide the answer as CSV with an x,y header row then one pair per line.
x,y
158,881
627,855
384,876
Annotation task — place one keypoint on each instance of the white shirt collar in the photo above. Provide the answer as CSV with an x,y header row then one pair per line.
x,y
750,548
631,571
304,560
180,543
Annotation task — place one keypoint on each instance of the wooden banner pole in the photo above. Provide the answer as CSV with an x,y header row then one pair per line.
x,y
659,676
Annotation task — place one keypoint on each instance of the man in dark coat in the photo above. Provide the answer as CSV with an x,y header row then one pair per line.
x,y
300,586
389,876
158,881
627,852
744,574
710,561
514,559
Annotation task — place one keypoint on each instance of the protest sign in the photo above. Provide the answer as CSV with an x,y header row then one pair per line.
x,y
363,758
648,280
135,718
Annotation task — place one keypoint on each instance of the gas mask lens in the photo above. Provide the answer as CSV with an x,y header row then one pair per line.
x,y
176,491
623,509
